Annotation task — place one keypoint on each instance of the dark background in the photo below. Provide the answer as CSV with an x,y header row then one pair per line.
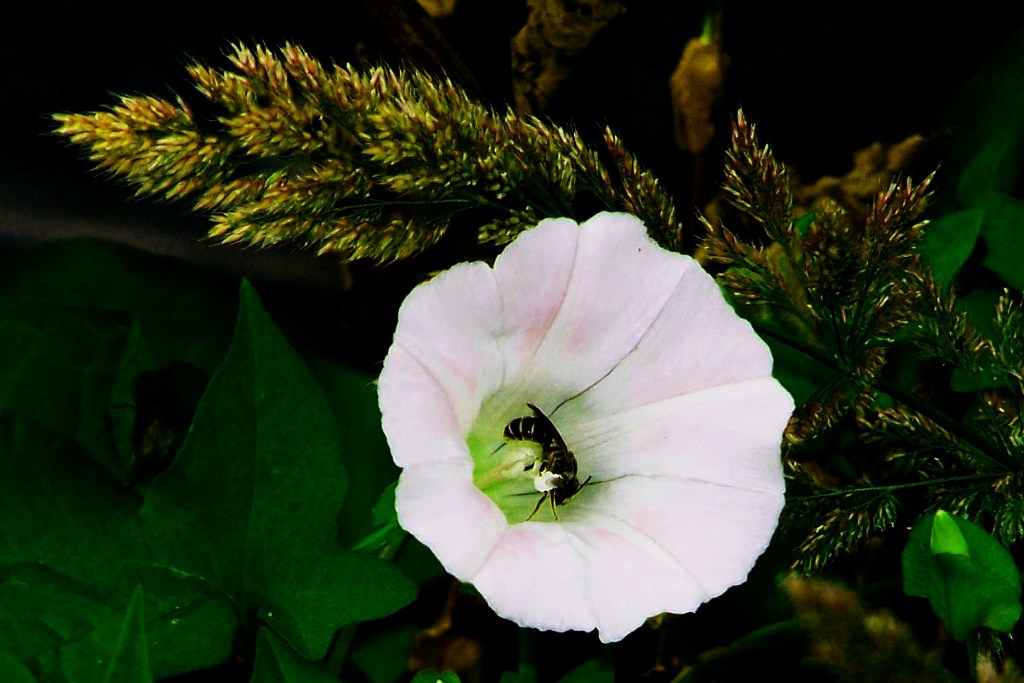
x,y
821,80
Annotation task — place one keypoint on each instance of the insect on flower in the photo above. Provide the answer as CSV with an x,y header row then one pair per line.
x,y
666,438
556,476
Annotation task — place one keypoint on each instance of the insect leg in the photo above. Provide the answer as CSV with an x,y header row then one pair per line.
x,y
540,502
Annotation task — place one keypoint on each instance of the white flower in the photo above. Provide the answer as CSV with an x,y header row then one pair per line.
x,y
662,394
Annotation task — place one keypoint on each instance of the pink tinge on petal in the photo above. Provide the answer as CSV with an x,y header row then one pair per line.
x,y
619,282
715,532
440,506
532,275
599,573
417,413
630,579
697,341
662,392
450,325
536,577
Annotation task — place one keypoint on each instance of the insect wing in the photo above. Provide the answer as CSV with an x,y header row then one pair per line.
x,y
547,432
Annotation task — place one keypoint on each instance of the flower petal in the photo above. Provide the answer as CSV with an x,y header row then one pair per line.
x,y
630,579
662,392
619,282
532,276
444,360
601,574
536,576
440,506
727,435
417,413
715,532
697,341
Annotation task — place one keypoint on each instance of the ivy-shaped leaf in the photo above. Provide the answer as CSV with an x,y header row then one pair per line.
x,y
970,579
65,368
129,662
252,501
381,655
949,241
988,117
1003,230
385,518
596,670
71,554
183,312
277,662
371,469
12,670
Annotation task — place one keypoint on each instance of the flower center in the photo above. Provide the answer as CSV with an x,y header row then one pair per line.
x,y
532,457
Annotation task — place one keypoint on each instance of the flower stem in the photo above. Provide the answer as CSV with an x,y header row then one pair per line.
x,y
895,487
972,654
527,655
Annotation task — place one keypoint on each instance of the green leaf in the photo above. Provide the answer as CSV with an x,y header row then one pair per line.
x,y
129,662
385,517
184,313
804,223
596,670
67,368
985,158
988,117
382,654
189,624
252,500
968,577
1003,230
995,165
57,506
12,670
180,316
949,241
71,631
277,662
435,676
946,536
74,550
50,620
367,456
418,562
